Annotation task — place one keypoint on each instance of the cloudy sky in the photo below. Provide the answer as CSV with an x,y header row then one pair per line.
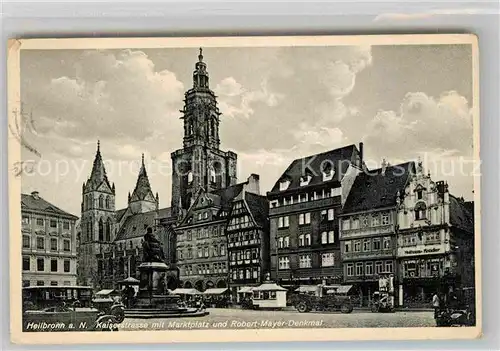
x,y
278,104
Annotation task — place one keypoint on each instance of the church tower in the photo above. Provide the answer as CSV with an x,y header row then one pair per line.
x,y
97,218
142,198
200,164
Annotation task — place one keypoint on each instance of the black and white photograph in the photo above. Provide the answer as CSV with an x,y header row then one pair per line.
x,y
298,187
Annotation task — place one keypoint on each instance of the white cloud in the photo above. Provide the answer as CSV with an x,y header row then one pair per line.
x,y
235,101
113,96
424,123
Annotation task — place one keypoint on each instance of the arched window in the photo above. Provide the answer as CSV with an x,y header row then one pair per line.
x,y
107,202
212,128
420,211
108,230
213,178
101,201
101,230
190,177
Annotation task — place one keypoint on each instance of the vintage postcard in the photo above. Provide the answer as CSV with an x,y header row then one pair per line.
x,y
244,189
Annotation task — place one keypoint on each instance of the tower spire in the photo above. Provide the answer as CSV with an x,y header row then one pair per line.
x,y
200,56
200,74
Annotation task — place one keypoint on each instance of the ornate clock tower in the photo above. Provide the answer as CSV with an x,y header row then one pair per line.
x,y
200,164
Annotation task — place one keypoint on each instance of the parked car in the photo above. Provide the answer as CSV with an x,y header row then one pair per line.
x,y
322,298
64,308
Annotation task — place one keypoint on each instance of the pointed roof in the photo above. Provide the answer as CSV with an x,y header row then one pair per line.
x,y
378,188
98,174
33,202
142,187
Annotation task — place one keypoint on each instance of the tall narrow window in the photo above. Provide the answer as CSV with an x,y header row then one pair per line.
x,y
108,230
101,201
101,230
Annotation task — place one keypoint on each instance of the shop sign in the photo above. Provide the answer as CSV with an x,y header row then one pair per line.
x,y
421,250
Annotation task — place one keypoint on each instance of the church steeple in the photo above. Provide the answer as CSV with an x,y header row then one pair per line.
x,y
142,198
98,174
200,74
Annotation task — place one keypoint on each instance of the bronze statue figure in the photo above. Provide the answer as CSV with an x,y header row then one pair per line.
x,y
151,248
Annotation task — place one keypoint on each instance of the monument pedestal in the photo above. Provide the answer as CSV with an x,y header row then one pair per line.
x,y
153,298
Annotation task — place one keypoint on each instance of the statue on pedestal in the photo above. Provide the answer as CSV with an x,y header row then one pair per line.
x,y
151,248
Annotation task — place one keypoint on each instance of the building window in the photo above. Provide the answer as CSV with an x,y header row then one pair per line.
x,y
25,219
255,273
101,201
350,269
359,268
304,180
280,243
387,243
369,268
26,264
222,250
375,220
284,185
301,240
286,241
331,214
205,251
355,223
40,283
53,265
67,245
327,259
66,225
40,264
378,267
366,245
274,204
376,244
66,283
420,211
283,263
388,267
420,194
385,218
305,261
40,222
40,243
346,224
304,218
26,283
200,252
328,237
347,246
324,216
327,172
357,246
180,255
26,241
53,223
53,244
307,240
283,222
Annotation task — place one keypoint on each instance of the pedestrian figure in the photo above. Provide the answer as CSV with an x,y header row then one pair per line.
x,y
436,304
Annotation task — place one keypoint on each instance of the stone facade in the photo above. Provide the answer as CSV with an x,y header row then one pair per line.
x,y
304,205
49,245
435,240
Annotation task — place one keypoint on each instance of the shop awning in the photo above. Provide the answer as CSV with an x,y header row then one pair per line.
x,y
344,289
269,287
184,291
246,289
215,291
307,288
105,292
129,281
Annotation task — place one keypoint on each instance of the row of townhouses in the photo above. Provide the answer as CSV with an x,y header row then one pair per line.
x,y
327,219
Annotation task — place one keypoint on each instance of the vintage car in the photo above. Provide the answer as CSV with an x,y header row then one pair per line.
x,y
64,308
322,298
110,302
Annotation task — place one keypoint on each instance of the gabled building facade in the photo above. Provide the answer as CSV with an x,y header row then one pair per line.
x,y
49,243
435,240
368,227
304,205
247,233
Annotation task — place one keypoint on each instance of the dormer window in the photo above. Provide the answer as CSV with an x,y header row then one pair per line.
x,y
274,203
328,172
304,180
284,184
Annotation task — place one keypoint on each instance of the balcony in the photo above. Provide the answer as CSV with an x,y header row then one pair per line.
x,y
359,232
302,206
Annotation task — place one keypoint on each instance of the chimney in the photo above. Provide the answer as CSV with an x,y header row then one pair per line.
x,y
253,185
35,195
361,154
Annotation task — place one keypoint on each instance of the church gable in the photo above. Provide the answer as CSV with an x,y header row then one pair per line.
x,y
104,188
